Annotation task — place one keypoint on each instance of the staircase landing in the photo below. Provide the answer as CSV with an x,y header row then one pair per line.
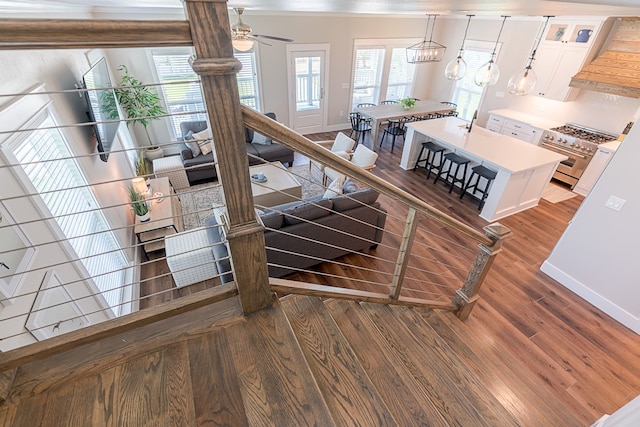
x,y
302,362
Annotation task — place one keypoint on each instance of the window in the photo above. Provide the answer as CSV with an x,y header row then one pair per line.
x,y
182,92
63,188
401,75
465,93
367,76
381,71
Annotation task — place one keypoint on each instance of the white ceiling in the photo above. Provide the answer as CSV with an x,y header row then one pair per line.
x,y
393,7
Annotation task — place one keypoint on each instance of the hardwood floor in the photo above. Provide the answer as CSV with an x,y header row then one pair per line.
x,y
557,351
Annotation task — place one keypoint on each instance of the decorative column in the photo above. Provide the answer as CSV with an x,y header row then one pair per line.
x,y
217,68
467,296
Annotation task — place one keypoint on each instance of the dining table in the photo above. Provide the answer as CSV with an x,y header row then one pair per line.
x,y
382,113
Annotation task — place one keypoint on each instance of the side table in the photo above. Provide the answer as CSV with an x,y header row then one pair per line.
x,y
164,217
172,168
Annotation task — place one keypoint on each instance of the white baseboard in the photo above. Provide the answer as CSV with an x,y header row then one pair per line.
x,y
630,321
334,128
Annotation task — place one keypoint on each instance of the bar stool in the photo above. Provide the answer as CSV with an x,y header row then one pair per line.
x,y
449,160
477,172
433,150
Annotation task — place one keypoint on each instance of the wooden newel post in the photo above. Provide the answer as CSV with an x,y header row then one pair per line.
x,y
467,296
215,64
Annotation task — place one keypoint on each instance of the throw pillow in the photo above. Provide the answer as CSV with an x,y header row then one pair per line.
x,y
188,136
192,145
204,145
334,189
260,139
205,134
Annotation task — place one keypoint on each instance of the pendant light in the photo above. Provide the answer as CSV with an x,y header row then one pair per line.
x,y
489,73
426,51
524,81
457,68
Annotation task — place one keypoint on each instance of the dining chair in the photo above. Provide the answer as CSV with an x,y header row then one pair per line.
x,y
359,126
365,104
395,128
453,113
388,102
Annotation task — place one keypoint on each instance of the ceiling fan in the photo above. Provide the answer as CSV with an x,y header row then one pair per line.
x,y
242,37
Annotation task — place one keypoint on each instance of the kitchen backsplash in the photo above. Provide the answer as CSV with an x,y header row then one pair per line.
x,y
610,113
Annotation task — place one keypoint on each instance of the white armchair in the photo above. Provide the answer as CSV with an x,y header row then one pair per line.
x,y
362,157
342,145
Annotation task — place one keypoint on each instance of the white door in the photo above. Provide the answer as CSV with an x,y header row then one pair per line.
x,y
306,76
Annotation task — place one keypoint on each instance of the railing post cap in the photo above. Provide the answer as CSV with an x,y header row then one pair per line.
x,y
497,231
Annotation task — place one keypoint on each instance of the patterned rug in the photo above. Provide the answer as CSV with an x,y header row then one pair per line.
x,y
198,201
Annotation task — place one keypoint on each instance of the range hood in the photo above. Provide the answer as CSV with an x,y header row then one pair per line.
x,y
616,70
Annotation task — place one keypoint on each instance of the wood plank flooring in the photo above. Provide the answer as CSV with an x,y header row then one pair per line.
x,y
531,353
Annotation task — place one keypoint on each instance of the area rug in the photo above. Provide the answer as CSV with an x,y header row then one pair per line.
x,y
199,201
555,193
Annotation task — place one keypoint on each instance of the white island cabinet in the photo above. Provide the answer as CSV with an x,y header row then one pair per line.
x,y
523,169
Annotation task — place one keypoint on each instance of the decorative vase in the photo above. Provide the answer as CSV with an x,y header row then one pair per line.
x,y
144,218
153,153
559,34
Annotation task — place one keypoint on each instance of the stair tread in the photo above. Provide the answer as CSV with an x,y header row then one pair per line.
x,y
405,398
523,396
459,395
276,383
351,396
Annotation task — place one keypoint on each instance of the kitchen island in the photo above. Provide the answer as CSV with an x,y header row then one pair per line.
x,y
523,169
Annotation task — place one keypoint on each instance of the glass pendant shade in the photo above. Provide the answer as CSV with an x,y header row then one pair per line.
x,y
523,82
488,74
456,69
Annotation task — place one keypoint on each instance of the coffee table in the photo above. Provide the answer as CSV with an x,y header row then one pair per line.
x,y
164,217
280,187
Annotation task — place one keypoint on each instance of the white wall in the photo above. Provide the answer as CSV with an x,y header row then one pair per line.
x,y
598,253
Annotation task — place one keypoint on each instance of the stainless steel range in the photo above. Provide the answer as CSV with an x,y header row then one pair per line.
x,y
578,143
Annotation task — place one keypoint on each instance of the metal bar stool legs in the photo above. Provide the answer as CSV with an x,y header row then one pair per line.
x,y
432,150
477,172
451,178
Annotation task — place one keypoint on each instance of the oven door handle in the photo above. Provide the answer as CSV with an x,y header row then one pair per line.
x,y
556,148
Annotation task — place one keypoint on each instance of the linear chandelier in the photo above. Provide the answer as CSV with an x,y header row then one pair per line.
x,y
523,82
426,51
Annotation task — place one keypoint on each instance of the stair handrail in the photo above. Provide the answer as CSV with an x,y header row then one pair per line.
x,y
297,142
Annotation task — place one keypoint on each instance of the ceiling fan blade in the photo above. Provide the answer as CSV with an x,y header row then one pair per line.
x,y
251,37
281,39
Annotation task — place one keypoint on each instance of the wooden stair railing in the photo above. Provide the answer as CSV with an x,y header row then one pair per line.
x,y
208,30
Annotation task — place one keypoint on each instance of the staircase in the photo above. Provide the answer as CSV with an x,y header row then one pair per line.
x,y
303,361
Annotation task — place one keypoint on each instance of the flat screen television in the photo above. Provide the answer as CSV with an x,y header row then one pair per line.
x,y
103,106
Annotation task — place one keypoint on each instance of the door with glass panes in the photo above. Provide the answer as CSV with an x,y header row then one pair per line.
x,y
306,75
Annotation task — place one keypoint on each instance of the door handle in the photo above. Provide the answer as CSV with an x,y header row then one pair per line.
x,y
321,93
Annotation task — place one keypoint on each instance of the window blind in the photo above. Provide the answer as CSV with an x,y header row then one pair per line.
x,y
63,188
401,75
367,75
183,96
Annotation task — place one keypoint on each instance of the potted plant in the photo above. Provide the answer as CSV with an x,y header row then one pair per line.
x,y
407,103
139,204
140,165
141,104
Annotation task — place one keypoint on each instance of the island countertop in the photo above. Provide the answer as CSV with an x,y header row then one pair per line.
x,y
523,170
499,151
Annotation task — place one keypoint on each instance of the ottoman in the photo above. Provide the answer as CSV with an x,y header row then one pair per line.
x,y
172,168
189,257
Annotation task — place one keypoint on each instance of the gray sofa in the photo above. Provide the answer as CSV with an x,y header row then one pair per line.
x,y
201,168
352,222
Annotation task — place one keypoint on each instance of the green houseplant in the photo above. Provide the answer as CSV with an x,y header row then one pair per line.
x,y
139,204
407,103
140,103
140,165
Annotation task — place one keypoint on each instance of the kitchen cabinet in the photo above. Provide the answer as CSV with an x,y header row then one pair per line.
x,y
514,128
594,169
566,46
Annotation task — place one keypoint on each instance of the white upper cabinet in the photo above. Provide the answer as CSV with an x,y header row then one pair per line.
x,y
565,47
